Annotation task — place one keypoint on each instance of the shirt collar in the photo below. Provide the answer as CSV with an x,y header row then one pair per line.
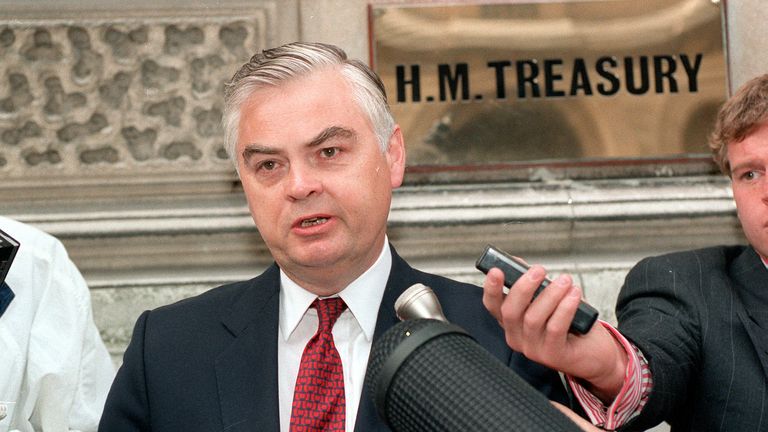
x,y
362,296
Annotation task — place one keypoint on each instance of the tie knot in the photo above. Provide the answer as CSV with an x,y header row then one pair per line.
x,y
328,311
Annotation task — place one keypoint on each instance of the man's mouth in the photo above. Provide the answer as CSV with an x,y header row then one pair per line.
x,y
313,221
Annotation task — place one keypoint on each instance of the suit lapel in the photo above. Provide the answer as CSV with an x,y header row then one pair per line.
x,y
401,276
246,371
749,275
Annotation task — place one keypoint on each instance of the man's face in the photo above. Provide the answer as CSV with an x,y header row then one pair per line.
x,y
749,170
317,183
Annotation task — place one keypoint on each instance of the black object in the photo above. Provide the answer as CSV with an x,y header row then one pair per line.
x,y
8,248
427,375
513,268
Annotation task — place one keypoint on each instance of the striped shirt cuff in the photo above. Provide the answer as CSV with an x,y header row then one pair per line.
x,y
632,396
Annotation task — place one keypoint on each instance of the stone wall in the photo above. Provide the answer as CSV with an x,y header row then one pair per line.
x,y
135,96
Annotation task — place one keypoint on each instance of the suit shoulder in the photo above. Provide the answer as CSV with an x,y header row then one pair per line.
x,y
209,303
714,258
441,282
222,300
693,277
459,300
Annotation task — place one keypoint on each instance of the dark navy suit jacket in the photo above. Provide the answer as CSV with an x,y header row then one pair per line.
x,y
701,319
209,363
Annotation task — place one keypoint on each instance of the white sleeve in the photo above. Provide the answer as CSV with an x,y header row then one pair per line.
x,y
69,370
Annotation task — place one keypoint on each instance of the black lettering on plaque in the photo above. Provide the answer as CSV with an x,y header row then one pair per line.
x,y
580,78
402,82
551,77
498,66
529,78
629,72
602,69
664,67
449,82
692,71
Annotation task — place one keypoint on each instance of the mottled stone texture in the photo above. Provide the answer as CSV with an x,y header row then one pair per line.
x,y
109,95
115,310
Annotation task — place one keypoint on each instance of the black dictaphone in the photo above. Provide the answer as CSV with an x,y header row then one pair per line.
x,y
513,268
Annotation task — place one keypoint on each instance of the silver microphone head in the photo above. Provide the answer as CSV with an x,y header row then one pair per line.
x,y
419,301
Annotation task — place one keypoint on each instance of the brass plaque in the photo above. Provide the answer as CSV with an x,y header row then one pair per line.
x,y
542,81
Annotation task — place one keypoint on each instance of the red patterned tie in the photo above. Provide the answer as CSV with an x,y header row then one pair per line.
x,y
318,400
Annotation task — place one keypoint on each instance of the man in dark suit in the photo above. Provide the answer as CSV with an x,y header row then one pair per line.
x,y
692,341
318,155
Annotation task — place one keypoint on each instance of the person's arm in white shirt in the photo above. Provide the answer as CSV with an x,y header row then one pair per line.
x,y
69,370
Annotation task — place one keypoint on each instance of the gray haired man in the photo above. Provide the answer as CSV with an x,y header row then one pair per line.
x,y
318,154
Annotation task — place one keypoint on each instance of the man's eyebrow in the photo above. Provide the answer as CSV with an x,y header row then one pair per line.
x,y
749,163
252,149
325,135
329,133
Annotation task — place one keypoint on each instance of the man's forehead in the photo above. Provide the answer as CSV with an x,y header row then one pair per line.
x,y
301,111
749,152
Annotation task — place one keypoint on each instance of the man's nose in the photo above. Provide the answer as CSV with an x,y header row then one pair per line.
x,y
303,181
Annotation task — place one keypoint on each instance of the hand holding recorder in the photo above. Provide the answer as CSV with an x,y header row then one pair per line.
x,y
513,268
548,322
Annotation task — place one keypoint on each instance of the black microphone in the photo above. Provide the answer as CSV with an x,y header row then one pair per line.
x,y
427,375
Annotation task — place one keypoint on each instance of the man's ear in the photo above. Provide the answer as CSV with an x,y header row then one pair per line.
x,y
396,157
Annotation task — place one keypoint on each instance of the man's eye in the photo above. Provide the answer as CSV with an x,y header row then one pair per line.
x,y
268,165
330,152
749,175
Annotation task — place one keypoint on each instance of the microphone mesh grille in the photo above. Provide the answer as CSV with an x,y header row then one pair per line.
x,y
388,342
450,383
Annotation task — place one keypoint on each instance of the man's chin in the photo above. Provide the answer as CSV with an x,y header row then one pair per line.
x,y
315,259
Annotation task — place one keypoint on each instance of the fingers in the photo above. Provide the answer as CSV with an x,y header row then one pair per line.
x,y
539,327
517,304
508,308
548,318
535,324
493,294
556,304
559,305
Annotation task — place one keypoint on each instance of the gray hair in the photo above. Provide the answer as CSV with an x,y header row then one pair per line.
x,y
273,66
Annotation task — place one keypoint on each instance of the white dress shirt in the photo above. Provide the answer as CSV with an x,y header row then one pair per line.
x,y
54,369
352,334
